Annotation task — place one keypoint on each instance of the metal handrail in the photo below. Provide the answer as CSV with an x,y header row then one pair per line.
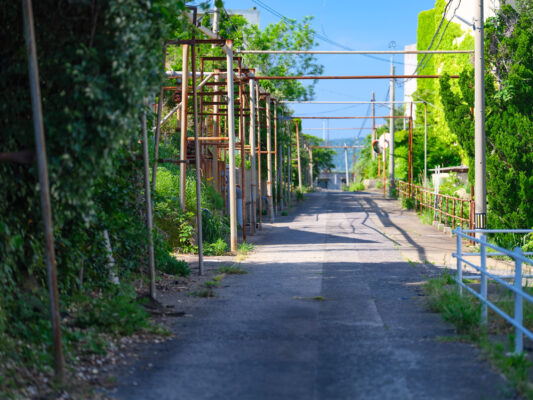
x,y
426,198
517,255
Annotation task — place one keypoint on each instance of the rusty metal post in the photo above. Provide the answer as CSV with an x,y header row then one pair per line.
x,y
243,154
158,123
198,164
38,127
183,128
289,162
298,155
269,161
148,200
253,193
276,182
310,151
231,150
259,163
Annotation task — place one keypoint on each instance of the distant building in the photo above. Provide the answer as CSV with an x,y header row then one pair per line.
x,y
331,180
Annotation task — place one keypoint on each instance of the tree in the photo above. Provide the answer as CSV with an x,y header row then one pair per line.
x,y
509,111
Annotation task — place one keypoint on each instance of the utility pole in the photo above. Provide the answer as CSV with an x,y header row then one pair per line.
x,y
391,144
253,158
216,21
346,164
269,161
374,136
480,189
231,150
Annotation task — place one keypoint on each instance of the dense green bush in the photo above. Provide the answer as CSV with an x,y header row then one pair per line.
x,y
509,123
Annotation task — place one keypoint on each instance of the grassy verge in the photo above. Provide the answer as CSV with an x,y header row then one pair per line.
x,y
464,312
92,324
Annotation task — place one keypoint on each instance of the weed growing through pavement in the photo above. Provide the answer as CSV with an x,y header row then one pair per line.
x,y
231,270
204,293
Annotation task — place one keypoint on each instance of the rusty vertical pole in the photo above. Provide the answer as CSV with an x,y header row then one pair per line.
x,y
183,128
289,162
310,152
253,193
231,150
276,182
198,162
280,178
38,127
269,161
158,123
259,163
243,154
148,199
298,155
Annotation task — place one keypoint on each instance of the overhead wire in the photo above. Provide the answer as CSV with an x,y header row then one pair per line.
x,y
318,35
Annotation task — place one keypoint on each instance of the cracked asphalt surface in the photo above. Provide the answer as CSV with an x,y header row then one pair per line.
x,y
330,309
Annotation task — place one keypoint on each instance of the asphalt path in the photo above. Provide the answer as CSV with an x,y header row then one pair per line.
x,y
330,309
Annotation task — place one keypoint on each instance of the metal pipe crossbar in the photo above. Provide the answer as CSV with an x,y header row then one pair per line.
x,y
349,102
354,52
317,77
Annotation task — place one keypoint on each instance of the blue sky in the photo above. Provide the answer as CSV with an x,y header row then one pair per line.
x,y
360,25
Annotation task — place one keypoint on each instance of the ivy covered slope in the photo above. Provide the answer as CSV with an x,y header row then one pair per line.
x,y
509,112
98,61
443,148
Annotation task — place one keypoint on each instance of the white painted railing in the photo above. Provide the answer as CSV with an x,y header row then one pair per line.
x,y
517,256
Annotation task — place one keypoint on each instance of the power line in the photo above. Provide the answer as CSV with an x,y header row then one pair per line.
x,y
318,35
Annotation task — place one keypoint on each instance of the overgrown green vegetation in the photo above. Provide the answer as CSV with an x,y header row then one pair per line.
x,y
509,123
464,312
99,63
354,187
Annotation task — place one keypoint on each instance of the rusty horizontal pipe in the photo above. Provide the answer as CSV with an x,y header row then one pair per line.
x,y
210,138
338,147
220,42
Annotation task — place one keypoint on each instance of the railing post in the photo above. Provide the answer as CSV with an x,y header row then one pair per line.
x,y
483,264
459,255
518,303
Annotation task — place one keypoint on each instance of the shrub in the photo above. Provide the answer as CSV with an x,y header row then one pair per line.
x,y
217,248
